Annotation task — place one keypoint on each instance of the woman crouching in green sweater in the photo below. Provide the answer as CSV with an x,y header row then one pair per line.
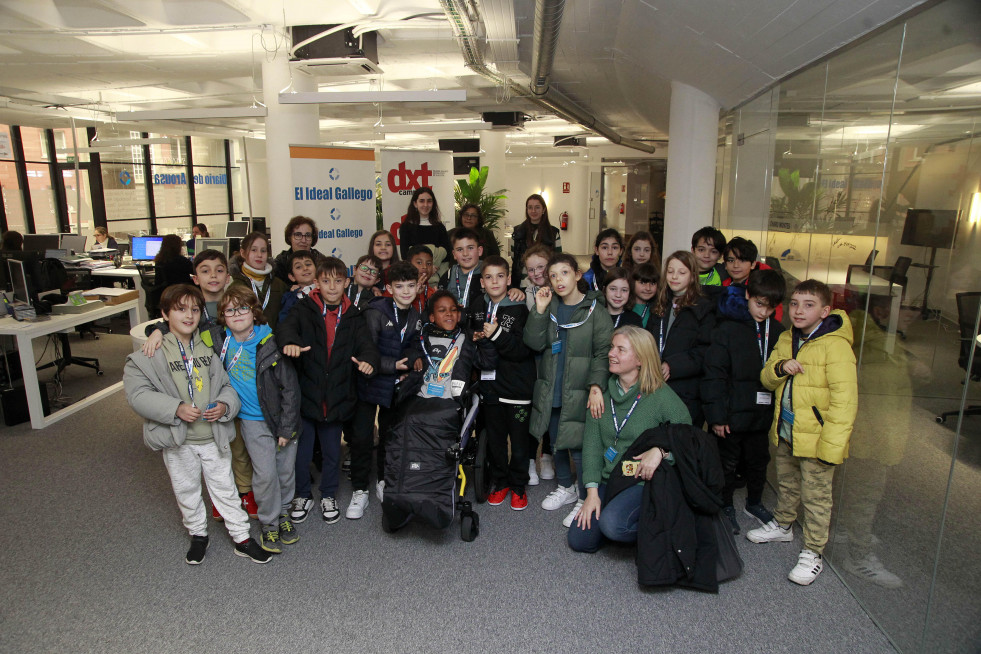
x,y
638,400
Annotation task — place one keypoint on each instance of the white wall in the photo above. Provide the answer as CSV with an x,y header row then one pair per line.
x,y
522,181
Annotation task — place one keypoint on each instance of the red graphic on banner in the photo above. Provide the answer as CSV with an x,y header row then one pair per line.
x,y
402,179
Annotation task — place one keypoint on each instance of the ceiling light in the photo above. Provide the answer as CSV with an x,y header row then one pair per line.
x,y
334,97
441,126
185,114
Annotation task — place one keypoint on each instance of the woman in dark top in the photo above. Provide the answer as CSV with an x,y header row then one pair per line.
x,y
103,241
535,229
301,234
422,224
473,218
170,266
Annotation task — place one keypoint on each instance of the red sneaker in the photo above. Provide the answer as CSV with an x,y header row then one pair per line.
x,y
519,502
215,514
498,496
248,503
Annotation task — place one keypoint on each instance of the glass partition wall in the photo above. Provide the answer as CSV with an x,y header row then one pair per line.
x,y
864,172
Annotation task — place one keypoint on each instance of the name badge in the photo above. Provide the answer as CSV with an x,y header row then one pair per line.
x,y
787,416
629,468
212,405
488,375
610,454
764,397
435,390
556,347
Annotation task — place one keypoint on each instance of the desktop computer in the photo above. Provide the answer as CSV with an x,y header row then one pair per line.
x,y
145,248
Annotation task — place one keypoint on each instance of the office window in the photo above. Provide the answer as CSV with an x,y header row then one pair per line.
x,y
13,202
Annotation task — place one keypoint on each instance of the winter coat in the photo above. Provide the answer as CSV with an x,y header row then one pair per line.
x,y
824,396
448,281
595,276
328,384
274,286
276,383
152,392
676,538
519,244
514,376
423,234
379,316
627,317
586,363
684,349
733,363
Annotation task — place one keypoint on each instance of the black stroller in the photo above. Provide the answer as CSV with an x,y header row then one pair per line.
x,y
431,449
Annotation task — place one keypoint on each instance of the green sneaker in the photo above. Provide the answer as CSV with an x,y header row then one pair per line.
x,y
287,532
269,540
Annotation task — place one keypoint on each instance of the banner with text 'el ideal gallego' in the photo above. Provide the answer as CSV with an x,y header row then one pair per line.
x,y
403,171
336,187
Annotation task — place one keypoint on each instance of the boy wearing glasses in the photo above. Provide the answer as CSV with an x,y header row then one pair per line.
x,y
364,283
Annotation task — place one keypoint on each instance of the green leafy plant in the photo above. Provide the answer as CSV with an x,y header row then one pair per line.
x,y
473,190
798,202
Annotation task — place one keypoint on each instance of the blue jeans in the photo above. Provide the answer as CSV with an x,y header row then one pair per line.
x,y
329,434
617,521
563,469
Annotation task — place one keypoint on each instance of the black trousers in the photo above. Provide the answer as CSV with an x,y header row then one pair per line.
x,y
752,450
360,431
500,422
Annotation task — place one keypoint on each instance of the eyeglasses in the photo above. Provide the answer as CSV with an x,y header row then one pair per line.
x,y
237,311
368,270
471,214
537,269
303,236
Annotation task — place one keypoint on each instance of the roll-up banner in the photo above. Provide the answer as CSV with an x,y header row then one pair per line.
x,y
336,187
403,171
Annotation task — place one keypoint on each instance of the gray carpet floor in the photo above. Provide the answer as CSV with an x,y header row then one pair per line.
x,y
95,564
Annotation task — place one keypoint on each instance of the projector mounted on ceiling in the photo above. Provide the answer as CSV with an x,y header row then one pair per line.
x,y
338,54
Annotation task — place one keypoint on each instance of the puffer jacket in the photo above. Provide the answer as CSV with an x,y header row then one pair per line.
x,y
152,392
824,397
586,363
276,383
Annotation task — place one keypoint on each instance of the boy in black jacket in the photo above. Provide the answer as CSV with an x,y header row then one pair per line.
x,y
328,334
506,390
737,406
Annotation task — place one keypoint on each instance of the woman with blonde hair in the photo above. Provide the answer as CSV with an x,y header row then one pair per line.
x,y
636,399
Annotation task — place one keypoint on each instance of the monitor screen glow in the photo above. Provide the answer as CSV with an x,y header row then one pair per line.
x,y
145,248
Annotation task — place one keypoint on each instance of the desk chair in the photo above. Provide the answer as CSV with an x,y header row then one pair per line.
x,y
967,314
774,263
67,359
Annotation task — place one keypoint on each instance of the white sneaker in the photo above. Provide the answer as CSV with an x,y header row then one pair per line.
x,y
299,508
567,521
359,502
771,532
548,467
328,506
532,474
809,566
560,497
870,568
380,490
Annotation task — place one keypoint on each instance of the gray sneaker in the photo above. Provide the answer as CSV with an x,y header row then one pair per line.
x,y
269,540
287,532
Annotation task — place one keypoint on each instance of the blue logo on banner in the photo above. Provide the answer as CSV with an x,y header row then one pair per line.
x,y
125,178
335,214
334,174
336,252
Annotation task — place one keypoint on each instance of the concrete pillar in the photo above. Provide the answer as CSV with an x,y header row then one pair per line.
x,y
493,144
693,133
286,124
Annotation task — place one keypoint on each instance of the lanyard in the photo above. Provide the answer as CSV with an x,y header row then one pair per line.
x,y
241,348
466,291
616,323
402,331
763,341
255,289
797,344
573,325
188,369
619,428
492,311
660,336
337,324
647,310
357,297
422,341
207,316
595,284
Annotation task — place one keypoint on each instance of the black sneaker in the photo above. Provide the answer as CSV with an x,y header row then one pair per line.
x,y
759,512
251,550
199,545
730,514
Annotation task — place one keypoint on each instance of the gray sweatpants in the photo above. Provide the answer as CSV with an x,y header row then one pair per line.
x,y
186,465
273,471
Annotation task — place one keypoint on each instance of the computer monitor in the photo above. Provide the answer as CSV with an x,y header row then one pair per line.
x,y
258,224
145,248
18,280
932,228
237,229
73,243
220,244
42,242
55,254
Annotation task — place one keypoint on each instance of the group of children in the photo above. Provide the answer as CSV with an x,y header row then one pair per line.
x,y
536,334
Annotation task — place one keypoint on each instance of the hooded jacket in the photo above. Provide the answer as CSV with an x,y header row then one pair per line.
x,y
586,363
733,363
514,376
384,331
824,397
327,380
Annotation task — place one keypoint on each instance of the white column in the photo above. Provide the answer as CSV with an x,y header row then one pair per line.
x,y
493,144
289,124
693,133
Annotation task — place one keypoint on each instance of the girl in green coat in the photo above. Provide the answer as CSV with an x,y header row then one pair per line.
x,y
572,330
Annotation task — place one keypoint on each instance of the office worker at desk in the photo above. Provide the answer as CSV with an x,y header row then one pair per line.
x,y
12,240
103,241
170,265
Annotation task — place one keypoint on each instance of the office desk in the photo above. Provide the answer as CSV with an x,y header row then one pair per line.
x,y
126,273
26,332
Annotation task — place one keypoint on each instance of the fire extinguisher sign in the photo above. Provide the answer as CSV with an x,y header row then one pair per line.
x,y
565,187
